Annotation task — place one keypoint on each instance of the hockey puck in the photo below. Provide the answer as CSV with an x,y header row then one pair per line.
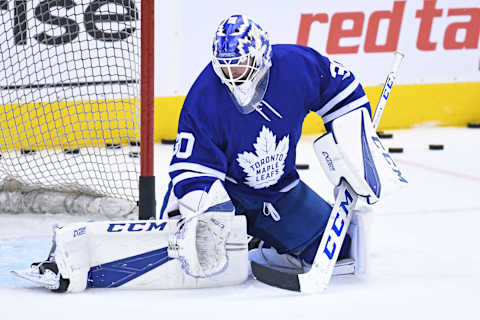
x,y
435,146
168,141
473,125
113,145
71,151
134,154
28,151
302,166
395,150
134,143
383,135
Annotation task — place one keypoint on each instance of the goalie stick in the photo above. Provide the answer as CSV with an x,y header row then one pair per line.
x,y
318,277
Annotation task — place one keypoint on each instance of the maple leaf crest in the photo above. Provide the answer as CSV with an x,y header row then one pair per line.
x,y
264,168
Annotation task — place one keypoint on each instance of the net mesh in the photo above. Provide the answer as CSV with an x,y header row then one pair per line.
x,y
69,86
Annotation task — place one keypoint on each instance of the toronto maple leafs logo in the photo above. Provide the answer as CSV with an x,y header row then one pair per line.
x,y
266,167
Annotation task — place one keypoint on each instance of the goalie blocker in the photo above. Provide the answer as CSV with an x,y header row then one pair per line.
x,y
353,151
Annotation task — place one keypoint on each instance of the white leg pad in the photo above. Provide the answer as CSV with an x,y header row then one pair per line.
x,y
137,251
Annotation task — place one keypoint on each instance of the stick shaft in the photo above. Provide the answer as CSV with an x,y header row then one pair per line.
x,y
397,60
318,277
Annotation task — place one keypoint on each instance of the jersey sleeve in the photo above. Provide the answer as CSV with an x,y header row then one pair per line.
x,y
197,160
339,92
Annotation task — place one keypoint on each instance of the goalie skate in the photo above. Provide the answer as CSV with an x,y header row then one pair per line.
x,y
44,274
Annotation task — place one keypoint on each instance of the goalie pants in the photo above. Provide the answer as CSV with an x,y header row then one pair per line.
x,y
296,224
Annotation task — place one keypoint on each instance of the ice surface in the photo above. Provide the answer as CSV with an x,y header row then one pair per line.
x,y
424,261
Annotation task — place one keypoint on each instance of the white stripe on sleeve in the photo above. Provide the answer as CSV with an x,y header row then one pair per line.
x,y
346,109
188,166
188,175
338,98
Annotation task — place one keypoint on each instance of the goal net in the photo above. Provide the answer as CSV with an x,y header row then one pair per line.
x,y
70,106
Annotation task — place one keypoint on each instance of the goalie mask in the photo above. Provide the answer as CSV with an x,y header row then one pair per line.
x,y
241,58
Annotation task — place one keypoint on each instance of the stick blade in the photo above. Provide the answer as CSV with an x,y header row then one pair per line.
x,y
275,278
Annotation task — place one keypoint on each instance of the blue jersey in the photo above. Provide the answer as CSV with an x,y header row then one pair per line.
x,y
254,154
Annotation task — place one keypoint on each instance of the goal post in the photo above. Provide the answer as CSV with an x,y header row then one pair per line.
x,y
147,205
76,106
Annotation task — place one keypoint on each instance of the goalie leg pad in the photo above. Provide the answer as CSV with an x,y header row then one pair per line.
x,y
133,255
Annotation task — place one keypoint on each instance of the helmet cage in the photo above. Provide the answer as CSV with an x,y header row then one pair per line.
x,y
224,69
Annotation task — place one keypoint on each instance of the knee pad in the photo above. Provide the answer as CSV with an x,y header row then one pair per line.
x,y
267,255
358,246
352,258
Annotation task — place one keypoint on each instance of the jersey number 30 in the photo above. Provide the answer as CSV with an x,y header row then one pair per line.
x,y
184,145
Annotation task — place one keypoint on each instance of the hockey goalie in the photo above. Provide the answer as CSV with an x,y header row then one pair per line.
x,y
233,171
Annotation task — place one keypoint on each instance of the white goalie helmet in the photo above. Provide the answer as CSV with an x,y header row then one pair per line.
x,y
241,56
